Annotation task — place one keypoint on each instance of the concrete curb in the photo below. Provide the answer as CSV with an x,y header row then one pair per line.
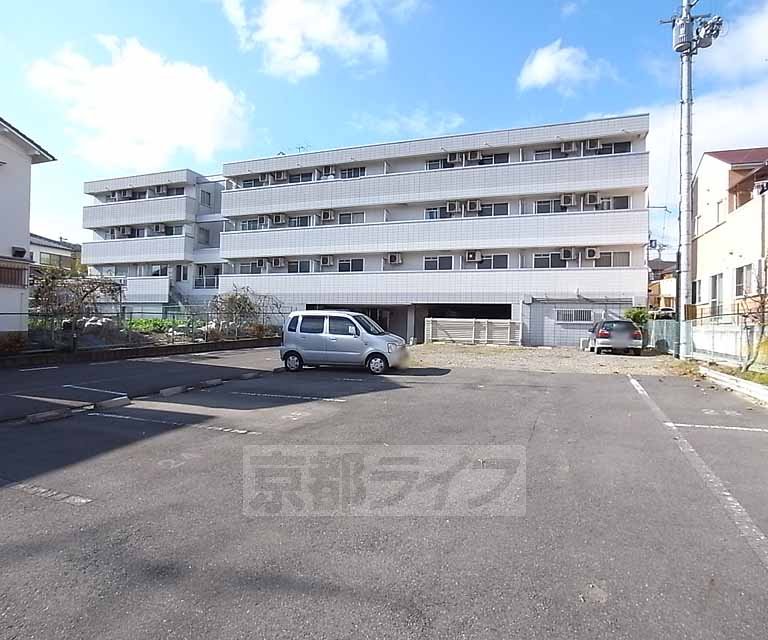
x,y
751,389
112,403
213,382
172,391
48,416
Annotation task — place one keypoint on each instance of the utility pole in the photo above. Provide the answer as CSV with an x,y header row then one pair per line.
x,y
689,34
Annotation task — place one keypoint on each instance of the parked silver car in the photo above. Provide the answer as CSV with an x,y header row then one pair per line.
x,y
339,338
616,335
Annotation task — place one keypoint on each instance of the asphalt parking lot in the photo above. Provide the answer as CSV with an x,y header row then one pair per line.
x,y
644,501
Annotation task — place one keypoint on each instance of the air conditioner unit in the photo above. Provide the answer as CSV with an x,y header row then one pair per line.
x,y
568,253
278,262
326,261
18,252
473,205
125,231
394,258
593,144
159,228
568,147
278,218
263,177
453,206
591,253
473,255
280,175
473,156
592,199
112,197
327,215
262,220
567,200
161,189
455,157
261,263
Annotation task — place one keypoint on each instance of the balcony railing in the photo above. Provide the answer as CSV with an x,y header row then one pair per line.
x,y
542,230
577,175
207,282
136,212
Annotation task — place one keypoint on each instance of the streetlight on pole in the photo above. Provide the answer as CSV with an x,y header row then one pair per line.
x,y
689,34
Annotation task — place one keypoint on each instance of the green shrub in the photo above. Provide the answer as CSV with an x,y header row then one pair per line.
x,y
153,325
638,315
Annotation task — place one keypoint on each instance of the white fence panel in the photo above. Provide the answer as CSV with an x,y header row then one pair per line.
x,y
472,331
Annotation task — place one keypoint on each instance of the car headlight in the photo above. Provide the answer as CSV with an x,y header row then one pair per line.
x,y
392,346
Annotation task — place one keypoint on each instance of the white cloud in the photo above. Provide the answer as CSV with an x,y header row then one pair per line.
x,y
742,50
569,8
138,110
419,123
564,68
293,35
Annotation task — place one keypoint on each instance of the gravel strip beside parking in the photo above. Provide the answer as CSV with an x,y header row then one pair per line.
x,y
556,360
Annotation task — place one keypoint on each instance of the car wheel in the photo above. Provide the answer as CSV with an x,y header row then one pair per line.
x,y
598,350
637,352
376,364
293,362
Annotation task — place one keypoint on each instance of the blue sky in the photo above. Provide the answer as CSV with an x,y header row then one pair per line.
x,y
115,88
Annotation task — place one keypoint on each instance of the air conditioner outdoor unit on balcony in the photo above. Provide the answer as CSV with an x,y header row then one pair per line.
x,y
473,205
161,190
394,258
473,156
280,175
453,206
327,215
278,262
593,144
262,220
263,177
455,157
568,253
567,200
473,255
159,228
326,261
278,218
568,147
592,199
261,263
591,253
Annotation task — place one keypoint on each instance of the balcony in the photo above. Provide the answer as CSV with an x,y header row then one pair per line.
x,y
578,175
542,230
136,212
449,287
131,250
206,282
149,289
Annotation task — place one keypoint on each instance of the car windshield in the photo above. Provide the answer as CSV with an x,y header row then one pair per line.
x,y
369,325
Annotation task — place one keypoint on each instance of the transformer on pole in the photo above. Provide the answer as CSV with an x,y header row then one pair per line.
x,y
689,34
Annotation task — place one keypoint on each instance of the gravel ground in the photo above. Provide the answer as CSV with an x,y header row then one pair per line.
x,y
553,360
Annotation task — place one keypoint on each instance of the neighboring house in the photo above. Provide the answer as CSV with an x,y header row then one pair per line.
x,y
729,243
545,225
18,153
662,285
47,252
658,268
159,234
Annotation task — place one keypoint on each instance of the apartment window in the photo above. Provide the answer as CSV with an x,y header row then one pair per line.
x,y
338,326
495,261
495,158
249,268
181,272
696,291
608,148
357,217
351,264
139,195
176,230
352,172
141,232
298,221
435,213
253,182
613,259
312,324
716,294
549,154
548,261
205,198
573,315
300,177
203,235
11,277
53,260
120,270
438,263
298,266
158,270
743,280
620,202
254,225
431,165
175,191
495,209
549,206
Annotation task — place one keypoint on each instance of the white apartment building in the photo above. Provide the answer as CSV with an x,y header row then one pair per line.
x,y
544,225
159,235
18,153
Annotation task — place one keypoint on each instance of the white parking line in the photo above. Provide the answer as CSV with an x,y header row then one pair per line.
x,y
39,368
74,386
284,396
738,514
716,426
